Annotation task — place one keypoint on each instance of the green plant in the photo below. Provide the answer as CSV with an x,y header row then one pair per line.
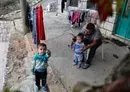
x,y
16,91
8,90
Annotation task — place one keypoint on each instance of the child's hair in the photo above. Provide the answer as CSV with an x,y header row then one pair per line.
x,y
74,39
42,44
81,35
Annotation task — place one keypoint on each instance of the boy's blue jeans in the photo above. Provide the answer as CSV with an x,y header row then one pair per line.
x,y
78,59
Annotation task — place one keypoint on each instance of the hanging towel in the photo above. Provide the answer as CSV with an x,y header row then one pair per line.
x,y
40,24
70,13
82,16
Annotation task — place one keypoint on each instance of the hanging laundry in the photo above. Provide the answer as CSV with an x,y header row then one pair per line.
x,y
104,8
70,13
34,28
75,17
40,24
63,5
82,16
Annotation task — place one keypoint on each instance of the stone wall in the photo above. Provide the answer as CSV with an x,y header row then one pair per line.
x,y
82,4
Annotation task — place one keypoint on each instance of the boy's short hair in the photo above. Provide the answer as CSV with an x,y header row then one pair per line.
x,y
81,35
42,44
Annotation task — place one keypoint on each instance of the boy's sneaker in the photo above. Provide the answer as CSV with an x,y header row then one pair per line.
x,y
44,88
74,64
85,66
79,66
38,89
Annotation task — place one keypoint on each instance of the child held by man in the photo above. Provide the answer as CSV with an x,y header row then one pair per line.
x,y
39,66
78,50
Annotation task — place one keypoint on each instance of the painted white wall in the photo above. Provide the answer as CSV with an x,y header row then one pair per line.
x,y
108,26
82,4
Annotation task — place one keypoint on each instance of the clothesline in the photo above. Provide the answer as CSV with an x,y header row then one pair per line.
x,y
37,24
77,15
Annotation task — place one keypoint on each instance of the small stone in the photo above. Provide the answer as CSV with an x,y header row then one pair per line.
x,y
114,55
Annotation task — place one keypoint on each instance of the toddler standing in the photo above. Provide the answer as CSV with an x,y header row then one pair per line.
x,y
39,66
78,50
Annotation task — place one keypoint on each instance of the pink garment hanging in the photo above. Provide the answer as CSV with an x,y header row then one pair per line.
x,y
75,17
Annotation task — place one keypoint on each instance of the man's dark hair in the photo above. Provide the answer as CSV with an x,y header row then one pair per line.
x,y
80,34
90,26
42,44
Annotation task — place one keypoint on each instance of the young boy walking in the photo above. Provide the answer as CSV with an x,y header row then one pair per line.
x,y
39,66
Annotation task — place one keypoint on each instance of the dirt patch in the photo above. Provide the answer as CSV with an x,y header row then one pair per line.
x,y
15,60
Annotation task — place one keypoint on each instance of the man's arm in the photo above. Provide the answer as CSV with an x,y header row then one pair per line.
x,y
94,42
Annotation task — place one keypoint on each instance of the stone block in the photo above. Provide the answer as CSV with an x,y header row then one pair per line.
x,y
19,25
111,19
114,7
108,33
102,25
103,31
109,26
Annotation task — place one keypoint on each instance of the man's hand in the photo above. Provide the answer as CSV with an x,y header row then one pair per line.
x,y
83,49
